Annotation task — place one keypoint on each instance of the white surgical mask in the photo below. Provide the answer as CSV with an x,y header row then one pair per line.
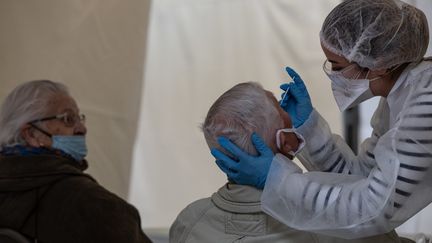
x,y
302,141
349,92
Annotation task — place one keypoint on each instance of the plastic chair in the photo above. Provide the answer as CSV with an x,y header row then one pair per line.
x,y
12,236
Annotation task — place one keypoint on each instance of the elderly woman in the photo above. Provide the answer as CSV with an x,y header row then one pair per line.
x,y
44,193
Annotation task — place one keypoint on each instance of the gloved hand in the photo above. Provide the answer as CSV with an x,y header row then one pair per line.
x,y
246,169
297,101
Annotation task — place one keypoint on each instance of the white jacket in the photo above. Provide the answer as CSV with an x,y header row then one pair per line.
x,y
353,196
233,214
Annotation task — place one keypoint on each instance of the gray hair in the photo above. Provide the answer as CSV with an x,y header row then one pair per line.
x,y
240,111
25,103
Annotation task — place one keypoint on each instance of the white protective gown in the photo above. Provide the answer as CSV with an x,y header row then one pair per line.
x,y
350,196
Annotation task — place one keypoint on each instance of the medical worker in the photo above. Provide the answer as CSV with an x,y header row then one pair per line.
x,y
373,48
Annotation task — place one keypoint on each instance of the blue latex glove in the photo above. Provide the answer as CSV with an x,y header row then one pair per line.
x,y
297,101
245,169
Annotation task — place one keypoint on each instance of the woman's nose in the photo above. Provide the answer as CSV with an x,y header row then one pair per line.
x,y
80,128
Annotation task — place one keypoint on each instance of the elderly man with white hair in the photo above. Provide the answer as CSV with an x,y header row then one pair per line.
x,y
233,213
44,193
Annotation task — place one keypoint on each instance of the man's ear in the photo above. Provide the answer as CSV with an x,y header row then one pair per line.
x,y
29,135
285,145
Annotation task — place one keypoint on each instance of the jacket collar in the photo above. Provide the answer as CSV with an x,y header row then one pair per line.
x,y
238,198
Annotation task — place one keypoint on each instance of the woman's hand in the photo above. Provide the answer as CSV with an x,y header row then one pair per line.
x,y
297,102
245,169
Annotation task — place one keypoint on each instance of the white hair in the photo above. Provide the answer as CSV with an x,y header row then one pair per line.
x,y
27,102
240,111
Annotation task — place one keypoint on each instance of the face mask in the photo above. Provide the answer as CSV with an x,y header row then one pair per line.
x,y
74,146
349,92
302,141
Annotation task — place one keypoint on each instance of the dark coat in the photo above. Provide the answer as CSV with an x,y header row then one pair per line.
x,y
49,197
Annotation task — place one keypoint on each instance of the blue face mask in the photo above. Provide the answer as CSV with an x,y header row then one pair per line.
x,y
74,146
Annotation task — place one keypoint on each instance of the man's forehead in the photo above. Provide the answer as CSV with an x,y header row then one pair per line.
x,y
284,115
270,94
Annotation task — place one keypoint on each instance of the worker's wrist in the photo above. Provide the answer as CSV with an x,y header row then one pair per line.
x,y
306,129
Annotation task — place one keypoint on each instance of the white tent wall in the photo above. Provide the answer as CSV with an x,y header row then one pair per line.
x,y
96,47
198,49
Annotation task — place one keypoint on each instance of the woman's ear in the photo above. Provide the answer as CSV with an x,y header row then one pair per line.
x,y
28,133
379,72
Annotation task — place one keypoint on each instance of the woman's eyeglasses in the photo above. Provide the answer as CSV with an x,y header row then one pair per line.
x,y
68,119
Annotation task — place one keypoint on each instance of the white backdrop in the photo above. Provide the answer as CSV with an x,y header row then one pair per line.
x,y
197,49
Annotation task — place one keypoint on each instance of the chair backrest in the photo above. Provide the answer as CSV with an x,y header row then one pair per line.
x,y
12,236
